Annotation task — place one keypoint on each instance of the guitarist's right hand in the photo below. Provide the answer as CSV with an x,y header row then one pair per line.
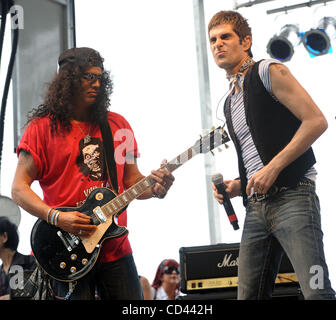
x,y
76,223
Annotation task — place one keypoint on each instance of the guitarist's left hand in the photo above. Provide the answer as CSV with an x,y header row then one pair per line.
x,y
164,180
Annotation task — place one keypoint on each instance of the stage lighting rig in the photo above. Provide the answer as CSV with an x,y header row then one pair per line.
x,y
281,46
317,41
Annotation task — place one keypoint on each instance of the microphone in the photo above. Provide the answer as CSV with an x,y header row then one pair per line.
x,y
217,180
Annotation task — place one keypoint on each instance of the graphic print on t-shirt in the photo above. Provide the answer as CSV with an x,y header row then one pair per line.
x,y
91,159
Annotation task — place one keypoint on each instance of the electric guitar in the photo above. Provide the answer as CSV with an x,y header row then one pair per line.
x,y
67,257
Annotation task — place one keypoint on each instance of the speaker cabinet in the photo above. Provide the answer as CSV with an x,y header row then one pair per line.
x,y
212,271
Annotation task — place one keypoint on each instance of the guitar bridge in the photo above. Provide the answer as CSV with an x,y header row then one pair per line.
x,y
69,240
99,214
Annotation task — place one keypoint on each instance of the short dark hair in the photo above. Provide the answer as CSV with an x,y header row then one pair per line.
x,y
236,20
6,226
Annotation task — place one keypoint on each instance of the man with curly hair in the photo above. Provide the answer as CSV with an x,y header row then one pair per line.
x,y
273,122
62,148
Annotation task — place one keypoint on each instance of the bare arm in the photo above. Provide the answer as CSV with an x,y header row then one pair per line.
x,y
22,193
146,289
27,199
313,123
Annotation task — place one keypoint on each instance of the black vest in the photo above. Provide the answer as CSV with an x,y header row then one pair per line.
x,y
272,127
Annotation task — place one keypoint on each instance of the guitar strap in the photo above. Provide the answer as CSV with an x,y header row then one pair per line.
x,y
108,145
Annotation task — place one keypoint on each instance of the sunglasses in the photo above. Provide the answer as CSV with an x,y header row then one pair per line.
x,y
92,77
169,270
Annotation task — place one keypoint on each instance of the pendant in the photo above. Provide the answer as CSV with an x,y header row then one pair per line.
x,y
87,139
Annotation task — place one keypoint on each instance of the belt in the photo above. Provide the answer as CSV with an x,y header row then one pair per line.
x,y
273,190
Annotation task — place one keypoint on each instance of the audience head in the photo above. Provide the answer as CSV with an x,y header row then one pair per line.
x,y
167,272
9,237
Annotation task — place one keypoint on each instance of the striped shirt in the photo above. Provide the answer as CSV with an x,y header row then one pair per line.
x,y
251,158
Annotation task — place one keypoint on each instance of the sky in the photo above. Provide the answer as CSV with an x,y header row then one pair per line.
x,y
149,47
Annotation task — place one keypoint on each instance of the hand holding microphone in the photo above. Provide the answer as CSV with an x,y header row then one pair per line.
x,y
217,180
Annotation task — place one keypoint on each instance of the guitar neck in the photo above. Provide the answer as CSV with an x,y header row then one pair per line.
x,y
124,199
180,159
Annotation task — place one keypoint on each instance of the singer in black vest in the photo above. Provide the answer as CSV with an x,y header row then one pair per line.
x,y
272,122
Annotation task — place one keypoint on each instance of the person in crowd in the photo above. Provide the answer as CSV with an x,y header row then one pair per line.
x,y
166,284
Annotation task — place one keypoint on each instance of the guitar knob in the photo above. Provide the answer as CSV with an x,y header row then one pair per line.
x,y
85,262
62,265
73,269
99,196
73,257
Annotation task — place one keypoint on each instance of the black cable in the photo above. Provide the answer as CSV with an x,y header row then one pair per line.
x,y
6,87
74,22
4,11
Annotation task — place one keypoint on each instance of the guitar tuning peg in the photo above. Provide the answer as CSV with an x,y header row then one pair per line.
x,y
226,146
219,150
212,153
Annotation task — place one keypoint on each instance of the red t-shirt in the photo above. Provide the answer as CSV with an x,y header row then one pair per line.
x,y
68,170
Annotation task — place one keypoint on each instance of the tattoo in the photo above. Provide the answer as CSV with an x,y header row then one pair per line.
x,y
27,164
25,156
283,71
25,153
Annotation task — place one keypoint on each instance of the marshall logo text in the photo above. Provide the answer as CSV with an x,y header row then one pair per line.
x,y
228,262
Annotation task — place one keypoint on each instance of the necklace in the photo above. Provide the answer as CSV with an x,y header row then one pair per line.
x,y
240,75
87,138
245,64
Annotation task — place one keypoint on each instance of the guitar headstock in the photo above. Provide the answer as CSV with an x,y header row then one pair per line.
x,y
211,140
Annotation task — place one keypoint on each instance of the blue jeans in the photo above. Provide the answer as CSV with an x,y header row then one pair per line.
x,y
117,280
288,221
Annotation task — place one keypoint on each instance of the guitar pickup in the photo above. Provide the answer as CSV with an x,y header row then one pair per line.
x,y
99,214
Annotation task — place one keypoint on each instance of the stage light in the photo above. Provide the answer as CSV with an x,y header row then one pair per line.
x,y
281,47
317,41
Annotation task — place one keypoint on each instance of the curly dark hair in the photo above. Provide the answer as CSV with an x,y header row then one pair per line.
x,y
58,102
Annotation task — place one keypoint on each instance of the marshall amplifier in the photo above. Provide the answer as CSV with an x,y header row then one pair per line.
x,y
206,268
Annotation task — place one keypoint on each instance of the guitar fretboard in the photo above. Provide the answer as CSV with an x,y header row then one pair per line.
x,y
121,201
204,145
